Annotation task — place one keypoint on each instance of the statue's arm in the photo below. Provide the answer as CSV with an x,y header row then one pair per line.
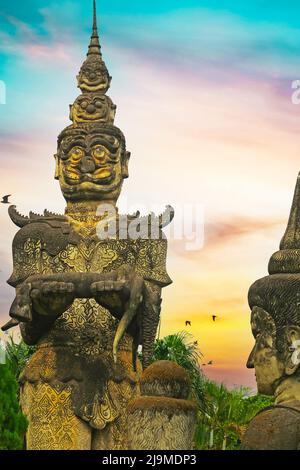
x,y
37,306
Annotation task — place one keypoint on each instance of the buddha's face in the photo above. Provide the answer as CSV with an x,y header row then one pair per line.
x,y
93,75
268,364
91,166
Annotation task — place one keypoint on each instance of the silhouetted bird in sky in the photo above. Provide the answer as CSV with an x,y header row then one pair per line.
x,y
188,323
210,363
214,317
5,199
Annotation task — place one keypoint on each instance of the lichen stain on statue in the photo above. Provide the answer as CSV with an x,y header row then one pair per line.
x,y
275,322
87,303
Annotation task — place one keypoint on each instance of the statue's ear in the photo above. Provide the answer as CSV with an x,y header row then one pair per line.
x,y
293,349
125,162
57,169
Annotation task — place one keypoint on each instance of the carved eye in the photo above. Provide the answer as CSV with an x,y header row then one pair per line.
x,y
99,152
76,153
84,104
98,104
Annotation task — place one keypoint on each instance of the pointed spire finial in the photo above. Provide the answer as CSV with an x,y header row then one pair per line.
x,y
94,16
93,76
291,239
94,47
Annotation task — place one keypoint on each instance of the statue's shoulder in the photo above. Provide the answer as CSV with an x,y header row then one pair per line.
x,y
274,428
52,230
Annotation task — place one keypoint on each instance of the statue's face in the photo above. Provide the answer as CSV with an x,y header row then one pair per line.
x,y
92,107
91,166
268,364
93,75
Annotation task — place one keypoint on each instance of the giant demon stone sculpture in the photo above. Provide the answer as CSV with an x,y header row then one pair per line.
x,y
86,302
275,321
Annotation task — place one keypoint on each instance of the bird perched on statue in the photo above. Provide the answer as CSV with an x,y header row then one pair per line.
x,y
214,317
188,323
5,199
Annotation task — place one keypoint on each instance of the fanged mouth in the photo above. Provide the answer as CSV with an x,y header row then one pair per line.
x,y
102,176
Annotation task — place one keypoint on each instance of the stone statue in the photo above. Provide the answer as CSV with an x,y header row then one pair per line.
x,y
87,301
275,321
163,417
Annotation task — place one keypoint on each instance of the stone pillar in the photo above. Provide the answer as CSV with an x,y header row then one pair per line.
x,y
162,418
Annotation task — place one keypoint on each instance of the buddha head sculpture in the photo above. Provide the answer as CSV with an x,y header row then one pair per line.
x,y
275,304
91,159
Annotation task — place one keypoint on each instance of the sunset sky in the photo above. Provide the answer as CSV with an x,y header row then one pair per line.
x,y
204,96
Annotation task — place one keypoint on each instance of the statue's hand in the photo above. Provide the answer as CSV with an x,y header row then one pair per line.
x,y
113,292
52,298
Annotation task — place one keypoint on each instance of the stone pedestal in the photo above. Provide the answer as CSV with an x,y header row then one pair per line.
x,y
162,418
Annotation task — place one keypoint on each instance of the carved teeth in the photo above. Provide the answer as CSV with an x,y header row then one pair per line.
x,y
32,215
50,214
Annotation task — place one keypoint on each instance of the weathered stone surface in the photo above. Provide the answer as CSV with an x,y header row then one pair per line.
x,y
162,418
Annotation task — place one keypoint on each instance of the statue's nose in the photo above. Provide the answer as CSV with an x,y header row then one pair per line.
x,y
91,109
87,165
250,361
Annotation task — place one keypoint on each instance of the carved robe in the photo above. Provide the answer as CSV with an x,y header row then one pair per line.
x,y
71,384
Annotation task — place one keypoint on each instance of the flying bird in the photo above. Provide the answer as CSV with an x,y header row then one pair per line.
x,y
210,363
5,199
188,323
214,317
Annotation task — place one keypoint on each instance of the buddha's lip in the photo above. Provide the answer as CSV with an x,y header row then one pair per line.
x,y
88,81
89,117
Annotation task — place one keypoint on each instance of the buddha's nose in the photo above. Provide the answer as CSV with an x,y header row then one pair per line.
x,y
87,164
91,109
250,362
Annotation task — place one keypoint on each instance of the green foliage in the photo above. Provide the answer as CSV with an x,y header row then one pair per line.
x,y
17,355
12,423
226,416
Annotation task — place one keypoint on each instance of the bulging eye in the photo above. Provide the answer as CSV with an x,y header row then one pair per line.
x,y
76,153
98,104
99,152
84,104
